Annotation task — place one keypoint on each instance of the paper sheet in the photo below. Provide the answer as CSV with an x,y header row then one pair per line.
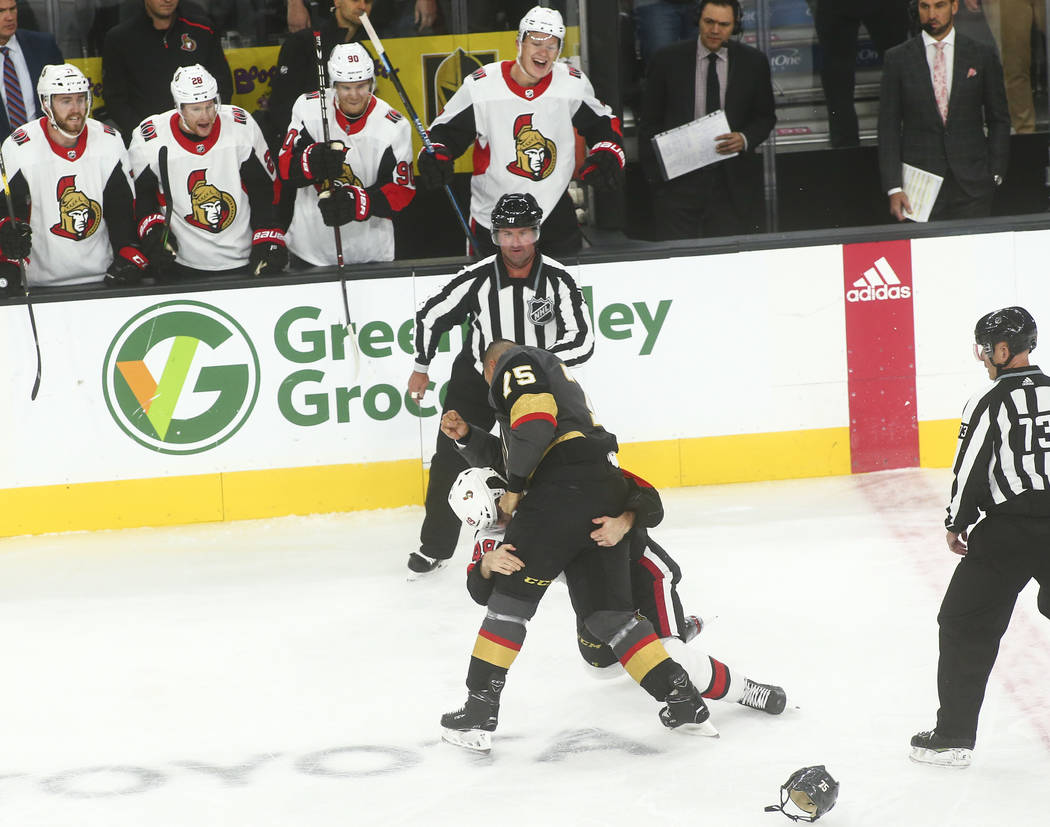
x,y
691,145
921,187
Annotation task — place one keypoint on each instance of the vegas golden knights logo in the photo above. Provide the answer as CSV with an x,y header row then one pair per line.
x,y
536,155
443,74
78,215
213,209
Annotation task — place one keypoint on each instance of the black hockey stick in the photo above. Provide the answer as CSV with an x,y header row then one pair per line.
x,y
25,282
427,144
162,162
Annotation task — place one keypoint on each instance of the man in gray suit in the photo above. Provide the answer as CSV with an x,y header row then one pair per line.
x,y
940,91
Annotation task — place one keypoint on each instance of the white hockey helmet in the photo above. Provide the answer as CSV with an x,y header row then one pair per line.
x,y
61,79
474,497
351,62
539,19
193,84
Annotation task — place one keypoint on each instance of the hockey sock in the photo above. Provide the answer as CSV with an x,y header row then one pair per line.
x,y
711,676
500,638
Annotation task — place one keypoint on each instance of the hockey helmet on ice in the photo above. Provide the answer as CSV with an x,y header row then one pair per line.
x,y
1013,325
474,497
807,794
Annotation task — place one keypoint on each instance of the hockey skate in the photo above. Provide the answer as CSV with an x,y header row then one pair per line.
x,y
420,564
694,625
686,711
764,696
472,726
931,748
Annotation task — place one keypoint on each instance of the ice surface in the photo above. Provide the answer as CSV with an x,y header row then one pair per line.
x,y
285,672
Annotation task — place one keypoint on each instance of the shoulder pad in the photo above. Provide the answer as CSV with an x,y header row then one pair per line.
x,y
148,130
20,136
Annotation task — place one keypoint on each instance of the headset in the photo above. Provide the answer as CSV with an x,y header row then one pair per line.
x,y
738,15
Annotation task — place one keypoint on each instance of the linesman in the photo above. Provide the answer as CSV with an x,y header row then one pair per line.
x,y
1002,471
517,294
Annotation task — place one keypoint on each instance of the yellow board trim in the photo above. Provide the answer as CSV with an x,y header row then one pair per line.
x,y
277,492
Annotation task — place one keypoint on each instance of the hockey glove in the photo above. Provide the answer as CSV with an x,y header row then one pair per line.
x,y
435,171
604,166
343,205
323,162
127,268
15,239
269,255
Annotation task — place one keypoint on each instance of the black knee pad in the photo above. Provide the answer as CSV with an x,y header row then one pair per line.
x,y
593,650
508,606
606,625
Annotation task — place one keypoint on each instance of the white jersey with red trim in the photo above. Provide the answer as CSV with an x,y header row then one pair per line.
x,y
71,242
524,137
378,160
211,209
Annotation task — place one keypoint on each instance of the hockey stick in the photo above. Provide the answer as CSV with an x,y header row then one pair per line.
x,y
25,282
427,144
162,162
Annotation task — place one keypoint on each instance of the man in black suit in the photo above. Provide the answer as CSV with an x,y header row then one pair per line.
x,y
24,55
687,80
940,92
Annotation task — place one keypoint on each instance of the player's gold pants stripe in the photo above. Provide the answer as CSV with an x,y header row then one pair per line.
x,y
495,650
639,661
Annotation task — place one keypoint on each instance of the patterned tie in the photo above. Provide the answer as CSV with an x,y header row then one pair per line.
x,y
940,81
16,108
714,97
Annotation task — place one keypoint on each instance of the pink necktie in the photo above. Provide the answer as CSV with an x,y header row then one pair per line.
x,y
940,81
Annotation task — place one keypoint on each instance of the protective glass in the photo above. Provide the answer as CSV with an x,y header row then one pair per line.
x,y
980,351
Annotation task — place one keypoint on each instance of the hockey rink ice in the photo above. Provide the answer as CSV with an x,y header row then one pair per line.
x,y
285,672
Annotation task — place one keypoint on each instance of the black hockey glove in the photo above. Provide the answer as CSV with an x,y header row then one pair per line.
x,y
127,268
269,256
324,162
343,205
435,171
16,238
604,166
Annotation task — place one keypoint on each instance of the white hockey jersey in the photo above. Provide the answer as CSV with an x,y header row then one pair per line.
x,y
216,183
378,160
67,187
524,139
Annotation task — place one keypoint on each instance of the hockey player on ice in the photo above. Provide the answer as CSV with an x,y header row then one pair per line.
x,y
654,578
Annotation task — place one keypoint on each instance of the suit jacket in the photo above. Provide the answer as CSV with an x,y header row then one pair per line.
x,y
910,126
39,49
669,99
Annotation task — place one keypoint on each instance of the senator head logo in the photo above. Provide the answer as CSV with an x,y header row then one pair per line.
x,y
181,377
535,154
78,215
213,209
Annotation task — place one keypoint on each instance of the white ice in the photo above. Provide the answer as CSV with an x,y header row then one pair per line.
x,y
285,672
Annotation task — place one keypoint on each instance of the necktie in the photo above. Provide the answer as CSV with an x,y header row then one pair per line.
x,y
940,81
16,108
714,101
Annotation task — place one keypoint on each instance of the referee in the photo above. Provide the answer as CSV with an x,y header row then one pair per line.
x,y
516,294
1002,469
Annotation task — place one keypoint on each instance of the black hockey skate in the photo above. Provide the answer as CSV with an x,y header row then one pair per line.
x,y
764,696
472,726
420,564
933,748
686,710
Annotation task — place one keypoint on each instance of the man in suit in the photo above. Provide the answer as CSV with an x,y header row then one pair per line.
x,y
24,54
940,92
687,80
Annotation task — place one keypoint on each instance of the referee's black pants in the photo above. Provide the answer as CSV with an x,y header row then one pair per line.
x,y
1004,553
467,393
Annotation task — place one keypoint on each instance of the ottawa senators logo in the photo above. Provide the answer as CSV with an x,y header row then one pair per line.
x,y
347,179
78,215
188,44
536,154
213,209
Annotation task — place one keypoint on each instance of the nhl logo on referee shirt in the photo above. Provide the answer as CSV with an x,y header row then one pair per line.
x,y
541,309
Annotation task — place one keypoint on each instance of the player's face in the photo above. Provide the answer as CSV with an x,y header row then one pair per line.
x,y
353,96
716,25
518,245
936,16
70,111
349,11
200,118
163,9
8,19
538,53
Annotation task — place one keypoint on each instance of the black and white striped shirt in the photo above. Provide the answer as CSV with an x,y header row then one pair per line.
x,y
1004,446
546,310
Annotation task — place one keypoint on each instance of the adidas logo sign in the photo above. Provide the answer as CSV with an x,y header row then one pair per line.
x,y
879,283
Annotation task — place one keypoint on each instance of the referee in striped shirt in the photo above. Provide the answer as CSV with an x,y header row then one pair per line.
x,y
1002,471
516,294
